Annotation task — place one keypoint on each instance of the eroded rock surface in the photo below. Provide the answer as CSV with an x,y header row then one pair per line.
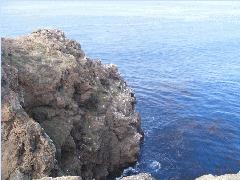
x,y
27,152
141,176
222,177
85,107
62,178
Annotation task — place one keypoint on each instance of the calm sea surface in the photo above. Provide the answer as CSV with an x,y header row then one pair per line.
x,y
181,57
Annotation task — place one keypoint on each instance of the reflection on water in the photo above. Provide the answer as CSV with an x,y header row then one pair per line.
x,y
181,57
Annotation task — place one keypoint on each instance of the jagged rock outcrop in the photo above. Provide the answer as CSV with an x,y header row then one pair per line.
x,y
62,113
141,176
222,177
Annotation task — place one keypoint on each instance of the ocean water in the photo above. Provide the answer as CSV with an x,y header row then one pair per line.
x,y
181,57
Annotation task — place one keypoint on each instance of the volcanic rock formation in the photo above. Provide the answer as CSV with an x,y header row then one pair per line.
x,y
63,113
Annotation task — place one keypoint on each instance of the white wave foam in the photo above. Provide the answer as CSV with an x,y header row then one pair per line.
x,y
155,165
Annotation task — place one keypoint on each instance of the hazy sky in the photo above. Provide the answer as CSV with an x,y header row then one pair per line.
x,y
119,0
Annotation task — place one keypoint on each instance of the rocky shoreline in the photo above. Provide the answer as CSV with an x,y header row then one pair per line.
x,y
63,113
65,116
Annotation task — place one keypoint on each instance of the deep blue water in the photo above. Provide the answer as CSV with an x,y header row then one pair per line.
x,y
182,59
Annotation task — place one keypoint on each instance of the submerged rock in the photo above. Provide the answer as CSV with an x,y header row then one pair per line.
x,y
63,113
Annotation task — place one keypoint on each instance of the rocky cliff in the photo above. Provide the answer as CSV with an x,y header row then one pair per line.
x,y
63,113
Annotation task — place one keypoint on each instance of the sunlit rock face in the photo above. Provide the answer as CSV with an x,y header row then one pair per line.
x,y
63,113
140,176
26,149
222,177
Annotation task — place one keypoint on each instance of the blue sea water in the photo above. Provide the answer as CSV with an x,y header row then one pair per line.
x,y
181,57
